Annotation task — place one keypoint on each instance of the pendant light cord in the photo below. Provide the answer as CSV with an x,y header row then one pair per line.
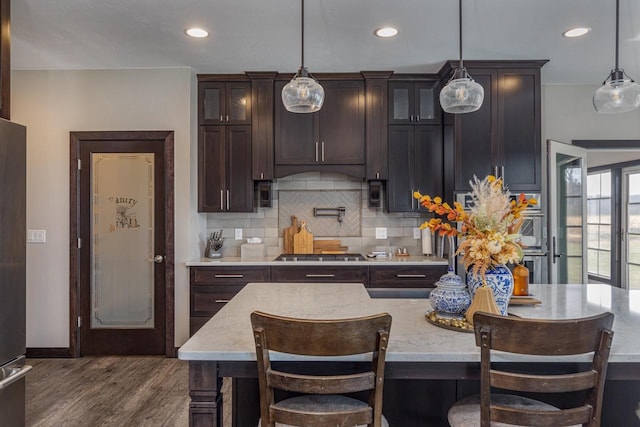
x,y
302,32
460,30
617,29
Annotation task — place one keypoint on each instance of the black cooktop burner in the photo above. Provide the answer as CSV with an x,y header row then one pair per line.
x,y
320,257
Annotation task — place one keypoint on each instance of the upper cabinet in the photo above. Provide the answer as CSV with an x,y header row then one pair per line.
x,y
503,137
262,100
414,103
224,103
332,139
376,131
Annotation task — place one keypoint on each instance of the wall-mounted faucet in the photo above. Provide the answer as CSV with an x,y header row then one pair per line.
x,y
339,212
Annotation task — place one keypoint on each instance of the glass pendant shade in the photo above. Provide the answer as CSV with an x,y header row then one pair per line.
x,y
462,94
618,94
303,94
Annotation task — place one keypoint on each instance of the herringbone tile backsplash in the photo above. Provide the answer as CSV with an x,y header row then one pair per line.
x,y
298,195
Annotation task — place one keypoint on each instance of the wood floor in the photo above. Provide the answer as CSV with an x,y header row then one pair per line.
x,y
108,391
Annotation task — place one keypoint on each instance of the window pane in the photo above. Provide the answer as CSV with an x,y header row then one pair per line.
x,y
604,264
605,211
593,211
574,241
574,270
634,277
593,186
634,188
592,261
574,211
593,236
573,178
605,237
605,184
633,249
633,220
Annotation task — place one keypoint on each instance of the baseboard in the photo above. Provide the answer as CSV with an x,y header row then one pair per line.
x,y
48,352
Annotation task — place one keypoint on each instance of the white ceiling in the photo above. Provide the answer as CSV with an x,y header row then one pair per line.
x,y
265,35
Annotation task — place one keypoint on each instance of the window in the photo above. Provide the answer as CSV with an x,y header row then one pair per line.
x,y
599,205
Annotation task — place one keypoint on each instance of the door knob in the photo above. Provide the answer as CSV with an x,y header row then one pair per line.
x,y
157,259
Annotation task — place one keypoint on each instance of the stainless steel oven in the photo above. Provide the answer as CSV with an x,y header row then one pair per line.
x,y
532,231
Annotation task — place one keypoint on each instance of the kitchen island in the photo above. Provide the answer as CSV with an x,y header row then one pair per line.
x,y
418,351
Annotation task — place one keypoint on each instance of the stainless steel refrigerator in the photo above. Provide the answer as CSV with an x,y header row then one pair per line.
x,y
13,237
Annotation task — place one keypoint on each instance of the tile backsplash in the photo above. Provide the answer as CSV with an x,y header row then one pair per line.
x,y
298,195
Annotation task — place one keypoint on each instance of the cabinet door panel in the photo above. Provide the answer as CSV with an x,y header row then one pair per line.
x,y
319,274
429,161
401,168
427,109
239,183
377,131
211,97
211,177
341,123
519,124
475,133
262,129
405,277
238,103
401,103
294,141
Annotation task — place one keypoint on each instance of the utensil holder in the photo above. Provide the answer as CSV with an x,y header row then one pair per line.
x,y
213,249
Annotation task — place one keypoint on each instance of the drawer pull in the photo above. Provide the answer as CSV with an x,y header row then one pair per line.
x,y
222,301
411,276
229,276
310,276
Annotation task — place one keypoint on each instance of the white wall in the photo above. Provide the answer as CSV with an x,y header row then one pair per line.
x,y
53,103
568,113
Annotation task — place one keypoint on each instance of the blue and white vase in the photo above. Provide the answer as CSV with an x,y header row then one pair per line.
x,y
450,297
500,280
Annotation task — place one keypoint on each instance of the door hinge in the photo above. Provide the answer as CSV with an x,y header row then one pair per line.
x,y
79,164
79,321
79,243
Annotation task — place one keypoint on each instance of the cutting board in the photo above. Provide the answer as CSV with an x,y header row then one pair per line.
x,y
303,241
287,236
326,245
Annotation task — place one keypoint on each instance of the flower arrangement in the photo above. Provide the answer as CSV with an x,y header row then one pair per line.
x,y
489,232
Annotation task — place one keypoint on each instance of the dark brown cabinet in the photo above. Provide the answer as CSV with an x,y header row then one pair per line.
x,y
503,137
410,276
213,287
414,103
224,169
224,103
376,132
415,164
332,139
262,100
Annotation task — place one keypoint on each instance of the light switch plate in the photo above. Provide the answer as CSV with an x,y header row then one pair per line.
x,y
417,233
238,234
36,236
381,232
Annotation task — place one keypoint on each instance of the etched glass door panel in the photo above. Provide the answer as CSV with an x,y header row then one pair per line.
x,y
567,212
122,231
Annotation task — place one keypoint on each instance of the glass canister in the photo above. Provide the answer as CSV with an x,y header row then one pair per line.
x,y
520,280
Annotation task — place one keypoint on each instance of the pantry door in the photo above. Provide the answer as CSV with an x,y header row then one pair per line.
x,y
124,217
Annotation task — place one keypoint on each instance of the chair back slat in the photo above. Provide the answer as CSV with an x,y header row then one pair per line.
x,y
330,384
544,383
321,337
542,337
567,417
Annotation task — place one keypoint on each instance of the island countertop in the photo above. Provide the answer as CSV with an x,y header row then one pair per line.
x,y
227,336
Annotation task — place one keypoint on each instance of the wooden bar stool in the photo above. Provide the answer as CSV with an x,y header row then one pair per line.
x,y
321,402
541,338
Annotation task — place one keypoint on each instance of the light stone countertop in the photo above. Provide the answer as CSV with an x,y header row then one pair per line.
x,y
237,261
227,336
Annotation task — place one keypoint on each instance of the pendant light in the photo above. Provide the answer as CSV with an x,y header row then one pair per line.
x,y
618,93
303,94
461,94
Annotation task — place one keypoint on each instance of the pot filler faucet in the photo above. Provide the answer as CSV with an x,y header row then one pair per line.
x,y
339,212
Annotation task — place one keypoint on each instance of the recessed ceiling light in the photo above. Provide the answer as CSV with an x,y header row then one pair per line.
x,y
576,32
385,32
197,32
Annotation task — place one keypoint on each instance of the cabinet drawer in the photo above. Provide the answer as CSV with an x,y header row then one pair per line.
x,y
228,275
350,274
208,300
405,277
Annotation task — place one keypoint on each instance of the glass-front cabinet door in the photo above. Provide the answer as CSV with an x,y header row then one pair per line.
x,y
413,103
224,103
